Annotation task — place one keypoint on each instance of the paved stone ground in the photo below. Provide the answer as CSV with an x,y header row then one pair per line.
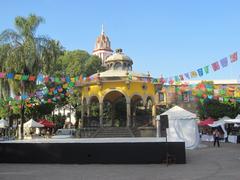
x,y
206,163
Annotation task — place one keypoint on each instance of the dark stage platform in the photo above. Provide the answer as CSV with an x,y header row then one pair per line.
x,y
100,150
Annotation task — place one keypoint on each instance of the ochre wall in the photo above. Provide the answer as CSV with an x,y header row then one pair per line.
x,y
128,90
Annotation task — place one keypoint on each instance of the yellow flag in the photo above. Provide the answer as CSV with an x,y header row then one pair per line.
x,y
193,74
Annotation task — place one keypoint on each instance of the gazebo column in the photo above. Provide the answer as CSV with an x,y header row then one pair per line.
x,y
128,114
88,109
101,114
133,114
154,115
113,113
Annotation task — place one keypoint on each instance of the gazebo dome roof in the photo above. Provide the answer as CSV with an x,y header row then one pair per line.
x,y
118,56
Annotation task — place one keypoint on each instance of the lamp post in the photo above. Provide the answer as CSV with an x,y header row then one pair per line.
x,y
22,111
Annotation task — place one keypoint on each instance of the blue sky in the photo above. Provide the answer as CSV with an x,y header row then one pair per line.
x,y
168,37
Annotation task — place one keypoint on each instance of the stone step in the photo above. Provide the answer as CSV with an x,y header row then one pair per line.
x,y
108,132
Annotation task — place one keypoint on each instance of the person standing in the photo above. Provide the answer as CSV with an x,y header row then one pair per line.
x,y
216,137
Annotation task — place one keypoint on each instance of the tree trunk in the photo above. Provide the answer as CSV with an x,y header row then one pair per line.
x,y
22,121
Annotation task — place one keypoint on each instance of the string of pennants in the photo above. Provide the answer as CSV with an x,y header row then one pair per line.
x,y
45,78
42,96
201,91
217,65
75,81
68,83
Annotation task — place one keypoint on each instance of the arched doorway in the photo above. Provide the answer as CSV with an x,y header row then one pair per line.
x,y
138,111
93,115
114,109
149,110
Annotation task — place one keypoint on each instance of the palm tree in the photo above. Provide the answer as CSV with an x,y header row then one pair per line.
x,y
4,86
29,53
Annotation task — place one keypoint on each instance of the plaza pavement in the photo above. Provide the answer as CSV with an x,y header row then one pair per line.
x,y
206,162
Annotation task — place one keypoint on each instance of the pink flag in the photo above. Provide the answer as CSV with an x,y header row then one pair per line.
x,y
2,74
215,66
234,57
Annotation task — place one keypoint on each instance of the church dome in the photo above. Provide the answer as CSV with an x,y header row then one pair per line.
x,y
119,61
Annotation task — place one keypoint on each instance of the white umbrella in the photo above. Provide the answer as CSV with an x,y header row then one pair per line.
x,y
32,124
3,123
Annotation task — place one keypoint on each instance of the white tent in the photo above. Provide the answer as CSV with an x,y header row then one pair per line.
x,y
3,123
182,126
32,124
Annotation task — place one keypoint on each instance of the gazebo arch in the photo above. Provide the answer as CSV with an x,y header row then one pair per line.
x,y
119,104
93,108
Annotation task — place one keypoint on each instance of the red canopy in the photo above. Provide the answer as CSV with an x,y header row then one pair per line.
x,y
46,123
206,122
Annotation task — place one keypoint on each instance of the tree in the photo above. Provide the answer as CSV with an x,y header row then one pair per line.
x,y
76,63
71,63
4,85
215,109
28,53
93,65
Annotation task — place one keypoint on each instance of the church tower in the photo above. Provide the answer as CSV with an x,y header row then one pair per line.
x,y
102,47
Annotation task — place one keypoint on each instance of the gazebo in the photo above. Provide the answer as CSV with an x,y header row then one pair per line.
x,y
118,85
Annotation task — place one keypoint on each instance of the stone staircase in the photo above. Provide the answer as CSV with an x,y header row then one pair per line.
x,y
113,132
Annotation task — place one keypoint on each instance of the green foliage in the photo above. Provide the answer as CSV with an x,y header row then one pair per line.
x,y
59,120
215,109
4,110
71,63
24,52
39,111
94,109
9,108
93,64
77,62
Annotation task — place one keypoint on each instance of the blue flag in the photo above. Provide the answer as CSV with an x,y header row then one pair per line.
x,y
224,62
10,75
200,72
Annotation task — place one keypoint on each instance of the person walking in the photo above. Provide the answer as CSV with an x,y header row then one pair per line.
x,y
216,137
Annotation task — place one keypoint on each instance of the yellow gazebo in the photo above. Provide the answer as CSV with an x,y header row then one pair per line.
x,y
118,84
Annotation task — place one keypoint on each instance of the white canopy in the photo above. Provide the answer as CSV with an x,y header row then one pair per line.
x,y
217,123
177,112
225,118
220,122
3,123
32,124
232,121
182,126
